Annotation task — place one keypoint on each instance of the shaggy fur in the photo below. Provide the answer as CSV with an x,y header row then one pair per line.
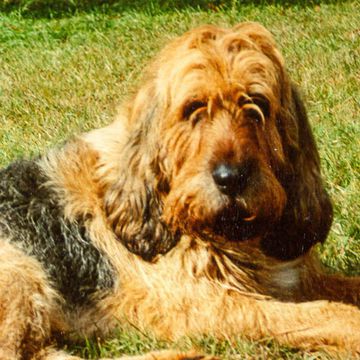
x,y
194,212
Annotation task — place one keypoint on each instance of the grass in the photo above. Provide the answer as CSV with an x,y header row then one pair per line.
x,y
133,343
66,65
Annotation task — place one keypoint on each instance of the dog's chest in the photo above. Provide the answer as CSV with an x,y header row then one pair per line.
x,y
32,219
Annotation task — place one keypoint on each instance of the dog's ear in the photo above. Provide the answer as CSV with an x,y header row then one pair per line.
x,y
308,214
133,202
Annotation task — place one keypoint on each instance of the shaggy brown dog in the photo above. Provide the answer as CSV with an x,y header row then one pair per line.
x,y
193,213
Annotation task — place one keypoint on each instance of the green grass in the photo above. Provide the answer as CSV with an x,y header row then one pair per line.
x,y
134,342
66,65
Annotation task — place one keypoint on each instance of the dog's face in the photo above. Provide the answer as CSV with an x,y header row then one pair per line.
x,y
220,147
228,142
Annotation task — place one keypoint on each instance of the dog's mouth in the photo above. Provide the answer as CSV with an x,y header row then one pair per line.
x,y
235,223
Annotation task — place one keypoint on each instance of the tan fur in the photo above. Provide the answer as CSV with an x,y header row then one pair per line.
x,y
202,282
28,304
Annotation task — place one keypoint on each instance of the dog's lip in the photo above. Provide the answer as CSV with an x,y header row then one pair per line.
x,y
236,226
249,218
238,221
242,208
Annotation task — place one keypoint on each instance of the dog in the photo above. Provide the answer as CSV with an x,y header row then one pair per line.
x,y
195,212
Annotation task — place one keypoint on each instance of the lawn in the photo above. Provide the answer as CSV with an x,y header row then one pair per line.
x,y
65,66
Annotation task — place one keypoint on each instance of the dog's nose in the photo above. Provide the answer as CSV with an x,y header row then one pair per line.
x,y
231,179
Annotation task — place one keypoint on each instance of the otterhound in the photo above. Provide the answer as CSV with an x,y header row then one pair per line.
x,y
193,213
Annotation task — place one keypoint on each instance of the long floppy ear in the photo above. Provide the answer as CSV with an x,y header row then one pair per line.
x,y
308,214
133,202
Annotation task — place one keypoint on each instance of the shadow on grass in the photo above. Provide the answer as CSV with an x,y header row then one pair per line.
x,y
64,8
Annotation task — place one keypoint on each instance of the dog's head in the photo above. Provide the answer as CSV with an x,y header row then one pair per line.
x,y
220,147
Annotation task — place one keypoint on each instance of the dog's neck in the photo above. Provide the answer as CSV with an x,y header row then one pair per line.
x,y
246,268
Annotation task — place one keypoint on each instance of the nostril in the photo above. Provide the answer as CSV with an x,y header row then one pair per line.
x,y
231,179
224,174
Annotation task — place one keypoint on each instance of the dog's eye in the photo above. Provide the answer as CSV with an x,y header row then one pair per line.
x,y
191,107
256,107
254,113
262,103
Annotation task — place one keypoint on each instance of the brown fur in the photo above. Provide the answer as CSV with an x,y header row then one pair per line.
x,y
191,260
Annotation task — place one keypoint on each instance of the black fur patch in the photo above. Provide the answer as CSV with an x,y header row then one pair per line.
x,y
30,216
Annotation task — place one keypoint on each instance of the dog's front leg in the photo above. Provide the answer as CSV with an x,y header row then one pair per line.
x,y
162,298
310,325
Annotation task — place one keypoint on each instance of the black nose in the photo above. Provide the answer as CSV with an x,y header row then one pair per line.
x,y
231,179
